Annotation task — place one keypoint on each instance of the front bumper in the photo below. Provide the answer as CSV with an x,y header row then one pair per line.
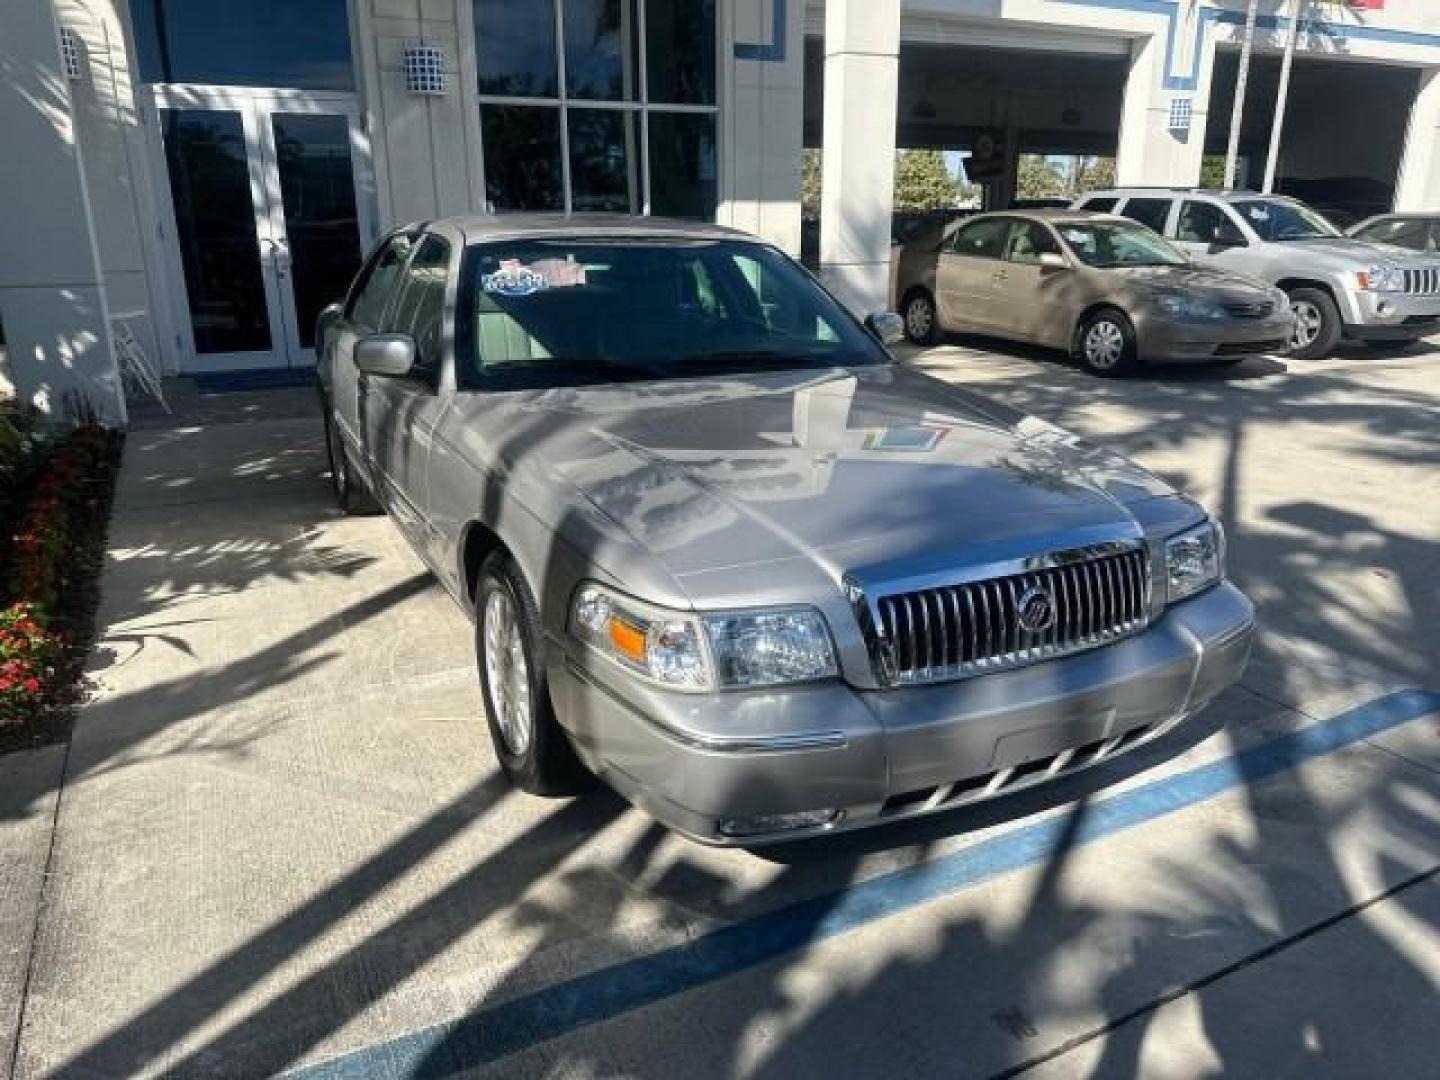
x,y
1371,316
1166,340
693,761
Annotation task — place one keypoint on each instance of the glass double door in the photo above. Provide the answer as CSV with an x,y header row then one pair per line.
x,y
268,221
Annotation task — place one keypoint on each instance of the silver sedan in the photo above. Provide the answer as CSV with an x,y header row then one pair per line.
x,y
726,554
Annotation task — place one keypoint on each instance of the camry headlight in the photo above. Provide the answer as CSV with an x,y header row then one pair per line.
x,y
690,651
1382,279
1181,306
1194,560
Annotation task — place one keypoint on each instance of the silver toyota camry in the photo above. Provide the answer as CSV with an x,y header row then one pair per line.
x,y
722,551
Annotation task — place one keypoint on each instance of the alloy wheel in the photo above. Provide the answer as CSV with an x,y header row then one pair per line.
x,y
1104,345
919,318
1308,324
507,672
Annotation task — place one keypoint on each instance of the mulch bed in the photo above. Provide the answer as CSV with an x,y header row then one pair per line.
x,y
69,610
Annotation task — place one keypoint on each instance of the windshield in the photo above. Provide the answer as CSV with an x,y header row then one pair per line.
x,y
547,313
1107,244
1281,219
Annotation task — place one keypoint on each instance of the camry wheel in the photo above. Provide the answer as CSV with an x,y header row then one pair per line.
x,y
920,317
533,749
1107,344
1317,324
351,495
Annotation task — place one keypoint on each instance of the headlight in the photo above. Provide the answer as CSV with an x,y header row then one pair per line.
x,y
1381,279
1194,560
765,648
1181,306
687,651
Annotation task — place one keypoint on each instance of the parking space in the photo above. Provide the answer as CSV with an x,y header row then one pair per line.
x,y
283,843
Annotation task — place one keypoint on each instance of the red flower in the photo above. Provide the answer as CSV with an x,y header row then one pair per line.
x,y
31,685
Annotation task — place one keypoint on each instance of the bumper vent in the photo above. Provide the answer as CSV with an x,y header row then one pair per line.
x,y
1262,310
953,631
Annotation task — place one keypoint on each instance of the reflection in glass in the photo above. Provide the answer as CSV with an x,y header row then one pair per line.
x,y
522,157
317,193
515,47
244,42
215,221
601,46
680,51
604,160
682,165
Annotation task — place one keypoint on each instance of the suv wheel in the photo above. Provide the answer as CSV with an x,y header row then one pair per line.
x,y
920,317
533,749
1105,345
1317,324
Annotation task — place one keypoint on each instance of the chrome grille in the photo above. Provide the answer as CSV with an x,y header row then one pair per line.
x,y
969,628
1423,282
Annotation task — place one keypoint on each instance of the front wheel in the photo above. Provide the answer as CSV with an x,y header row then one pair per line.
x,y
920,317
1106,345
533,749
1317,324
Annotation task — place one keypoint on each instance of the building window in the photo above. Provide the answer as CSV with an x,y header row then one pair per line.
x,y
599,105
280,43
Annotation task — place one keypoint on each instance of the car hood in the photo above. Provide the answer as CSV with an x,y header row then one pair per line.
x,y
840,468
1211,284
1349,252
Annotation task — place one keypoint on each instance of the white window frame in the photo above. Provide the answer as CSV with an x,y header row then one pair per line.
x,y
643,105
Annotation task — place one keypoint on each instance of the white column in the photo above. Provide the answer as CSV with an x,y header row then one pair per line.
x,y
1150,153
862,69
1418,187
52,294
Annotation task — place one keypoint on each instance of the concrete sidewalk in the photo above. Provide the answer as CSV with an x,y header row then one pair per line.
x,y
283,842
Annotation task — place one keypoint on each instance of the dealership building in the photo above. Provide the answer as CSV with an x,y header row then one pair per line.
x,y
187,182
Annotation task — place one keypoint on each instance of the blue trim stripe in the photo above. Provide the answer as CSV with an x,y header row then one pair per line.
x,y
557,1010
1189,81
772,51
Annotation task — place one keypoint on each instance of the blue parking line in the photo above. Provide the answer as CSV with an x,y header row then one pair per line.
x,y
556,1010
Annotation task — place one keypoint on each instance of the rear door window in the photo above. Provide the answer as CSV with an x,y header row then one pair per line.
x,y
1206,223
1152,213
983,239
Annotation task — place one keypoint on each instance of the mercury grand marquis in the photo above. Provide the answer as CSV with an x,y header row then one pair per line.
x,y
724,552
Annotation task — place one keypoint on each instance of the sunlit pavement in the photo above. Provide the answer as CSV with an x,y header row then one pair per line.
x,y
282,844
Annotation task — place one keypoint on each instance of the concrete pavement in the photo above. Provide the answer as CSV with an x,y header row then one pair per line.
x,y
283,844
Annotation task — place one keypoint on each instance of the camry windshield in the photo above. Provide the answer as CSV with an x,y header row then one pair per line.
x,y
1281,219
561,312
1107,244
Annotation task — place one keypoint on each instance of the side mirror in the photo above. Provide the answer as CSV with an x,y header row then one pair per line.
x,y
391,356
888,328
1051,260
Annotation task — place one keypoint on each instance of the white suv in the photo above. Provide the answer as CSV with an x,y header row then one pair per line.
x,y
1338,286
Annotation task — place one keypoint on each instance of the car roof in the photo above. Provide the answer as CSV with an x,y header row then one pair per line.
x,y
1053,214
481,228
1223,194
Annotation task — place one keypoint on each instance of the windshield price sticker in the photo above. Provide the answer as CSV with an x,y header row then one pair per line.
x,y
513,279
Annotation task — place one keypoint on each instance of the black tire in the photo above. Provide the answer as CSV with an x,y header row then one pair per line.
x,y
544,763
1105,344
1318,326
922,329
351,494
